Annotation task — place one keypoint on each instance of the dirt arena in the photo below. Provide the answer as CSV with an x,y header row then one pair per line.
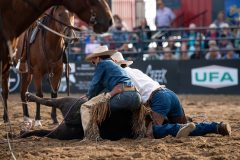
x,y
201,108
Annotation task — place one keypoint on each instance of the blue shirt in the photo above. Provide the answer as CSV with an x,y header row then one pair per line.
x,y
107,75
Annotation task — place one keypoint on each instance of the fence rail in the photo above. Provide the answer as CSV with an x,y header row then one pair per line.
x,y
140,42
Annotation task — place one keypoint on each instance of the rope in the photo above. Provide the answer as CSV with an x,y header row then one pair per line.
x,y
63,118
55,32
64,36
8,124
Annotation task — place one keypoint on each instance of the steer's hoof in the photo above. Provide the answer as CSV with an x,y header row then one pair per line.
x,y
55,121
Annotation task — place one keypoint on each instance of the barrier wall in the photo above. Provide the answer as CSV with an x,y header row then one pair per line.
x,y
188,77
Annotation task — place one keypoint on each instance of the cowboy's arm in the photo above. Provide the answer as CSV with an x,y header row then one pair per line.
x,y
95,85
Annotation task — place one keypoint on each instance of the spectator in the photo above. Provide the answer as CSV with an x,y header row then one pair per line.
x,y
92,44
127,49
226,31
167,54
173,47
106,39
220,19
144,33
212,43
237,41
192,36
164,15
152,54
184,52
211,34
230,54
213,54
198,54
223,42
119,31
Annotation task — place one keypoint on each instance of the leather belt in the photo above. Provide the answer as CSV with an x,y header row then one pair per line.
x,y
119,88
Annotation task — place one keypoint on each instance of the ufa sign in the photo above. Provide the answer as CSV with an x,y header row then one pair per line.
x,y
214,76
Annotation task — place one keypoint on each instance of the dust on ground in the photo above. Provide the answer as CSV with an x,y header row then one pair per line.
x,y
200,107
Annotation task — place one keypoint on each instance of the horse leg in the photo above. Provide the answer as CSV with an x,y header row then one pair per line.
x,y
38,87
54,110
54,82
25,81
5,92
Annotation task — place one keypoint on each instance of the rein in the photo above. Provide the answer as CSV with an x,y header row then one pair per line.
x,y
57,33
50,73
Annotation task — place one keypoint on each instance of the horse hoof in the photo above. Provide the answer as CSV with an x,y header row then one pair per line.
x,y
27,123
38,124
5,120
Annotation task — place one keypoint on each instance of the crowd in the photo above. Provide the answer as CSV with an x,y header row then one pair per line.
x,y
220,40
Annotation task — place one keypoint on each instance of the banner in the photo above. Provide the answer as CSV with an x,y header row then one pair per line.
x,y
186,77
232,11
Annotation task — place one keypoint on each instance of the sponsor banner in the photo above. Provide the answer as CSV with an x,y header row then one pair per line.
x,y
209,77
214,76
187,77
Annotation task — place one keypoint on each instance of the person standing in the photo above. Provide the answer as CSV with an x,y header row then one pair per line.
x,y
164,15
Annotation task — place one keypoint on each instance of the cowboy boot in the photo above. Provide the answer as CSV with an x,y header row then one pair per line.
x,y
185,130
224,129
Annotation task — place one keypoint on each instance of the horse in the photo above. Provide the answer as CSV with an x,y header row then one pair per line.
x,y
117,125
45,56
17,16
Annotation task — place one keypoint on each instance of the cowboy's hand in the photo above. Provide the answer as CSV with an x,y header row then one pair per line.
x,y
84,97
157,118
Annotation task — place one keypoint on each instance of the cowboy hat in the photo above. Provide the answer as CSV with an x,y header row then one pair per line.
x,y
118,57
100,51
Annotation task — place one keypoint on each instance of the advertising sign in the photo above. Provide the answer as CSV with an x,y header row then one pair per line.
x,y
214,76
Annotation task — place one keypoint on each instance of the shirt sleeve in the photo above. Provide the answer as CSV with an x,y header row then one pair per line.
x,y
172,15
95,86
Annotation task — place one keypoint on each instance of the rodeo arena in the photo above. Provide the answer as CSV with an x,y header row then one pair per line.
x,y
120,79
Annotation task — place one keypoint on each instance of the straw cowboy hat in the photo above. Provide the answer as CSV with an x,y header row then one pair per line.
x,y
100,51
118,57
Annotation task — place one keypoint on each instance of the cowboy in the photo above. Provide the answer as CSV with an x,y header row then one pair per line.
x,y
161,100
166,105
119,92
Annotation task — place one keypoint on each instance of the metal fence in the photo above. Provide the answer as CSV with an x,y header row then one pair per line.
x,y
140,43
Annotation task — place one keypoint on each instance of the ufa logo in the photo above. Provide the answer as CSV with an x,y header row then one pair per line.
x,y
214,76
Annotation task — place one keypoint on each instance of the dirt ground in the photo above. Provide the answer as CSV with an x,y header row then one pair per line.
x,y
201,108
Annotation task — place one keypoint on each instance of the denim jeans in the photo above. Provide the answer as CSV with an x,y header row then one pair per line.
x,y
166,103
201,129
130,100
